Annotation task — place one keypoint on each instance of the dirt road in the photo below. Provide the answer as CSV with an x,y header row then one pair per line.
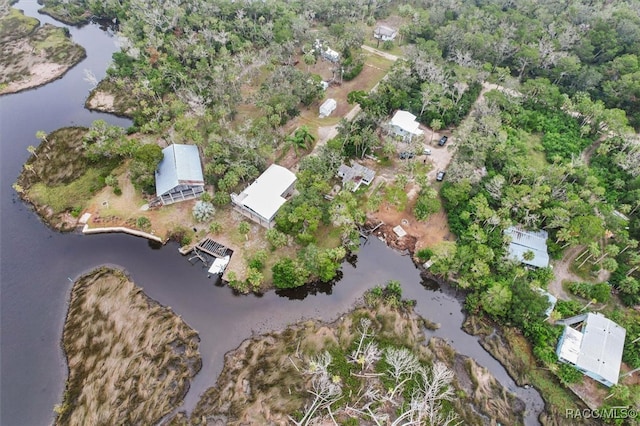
x,y
562,273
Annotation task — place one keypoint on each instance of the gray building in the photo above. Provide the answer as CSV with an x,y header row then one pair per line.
x,y
593,344
179,174
523,241
356,173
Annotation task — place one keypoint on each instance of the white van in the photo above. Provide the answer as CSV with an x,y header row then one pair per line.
x,y
426,151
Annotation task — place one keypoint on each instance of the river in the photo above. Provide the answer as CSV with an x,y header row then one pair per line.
x,y
37,267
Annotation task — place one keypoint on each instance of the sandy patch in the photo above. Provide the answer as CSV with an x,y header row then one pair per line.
x,y
101,101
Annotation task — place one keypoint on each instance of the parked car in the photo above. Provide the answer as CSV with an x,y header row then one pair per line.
x,y
442,141
440,175
406,155
426,151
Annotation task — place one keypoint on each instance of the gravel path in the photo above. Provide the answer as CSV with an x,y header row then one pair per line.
x,y
562,273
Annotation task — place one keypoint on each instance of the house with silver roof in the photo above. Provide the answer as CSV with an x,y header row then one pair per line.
x,y
179,174
523,241
385,33
404,124
593,344
261,200
357,174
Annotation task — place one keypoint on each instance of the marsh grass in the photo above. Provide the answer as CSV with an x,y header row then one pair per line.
x,y
130,359
261,384
15,25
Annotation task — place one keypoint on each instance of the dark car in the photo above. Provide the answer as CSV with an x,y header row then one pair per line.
x,y
406,155
442,140
440,175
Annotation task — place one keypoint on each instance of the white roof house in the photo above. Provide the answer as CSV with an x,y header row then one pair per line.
x,y
595,348
179,174
327,107
404,124
523,241
385,33
261,200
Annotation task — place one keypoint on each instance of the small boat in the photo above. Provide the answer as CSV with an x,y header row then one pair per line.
x,y
219,265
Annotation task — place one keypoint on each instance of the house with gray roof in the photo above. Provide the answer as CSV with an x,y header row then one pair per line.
x,y
385,33
593,344
523,241
356,173
179,174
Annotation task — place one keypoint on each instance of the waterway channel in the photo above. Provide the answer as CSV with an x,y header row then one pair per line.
x,y
37,267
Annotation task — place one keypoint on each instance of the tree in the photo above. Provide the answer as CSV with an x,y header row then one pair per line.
x,y
288,273
32,150
436,124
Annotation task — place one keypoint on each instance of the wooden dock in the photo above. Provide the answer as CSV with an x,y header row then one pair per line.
x,y
212,248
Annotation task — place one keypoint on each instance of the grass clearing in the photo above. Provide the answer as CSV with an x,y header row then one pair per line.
x,y
130,359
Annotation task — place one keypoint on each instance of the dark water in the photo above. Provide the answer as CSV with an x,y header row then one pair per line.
x,y
38,265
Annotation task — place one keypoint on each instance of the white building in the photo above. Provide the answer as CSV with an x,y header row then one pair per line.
x,y
384,33
179,174
261,200
404,124
594,346
327,107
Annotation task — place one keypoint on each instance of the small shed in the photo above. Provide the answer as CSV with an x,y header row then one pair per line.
x,y
328,107
179,174
330,55
385,33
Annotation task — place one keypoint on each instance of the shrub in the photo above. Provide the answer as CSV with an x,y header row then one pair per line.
x,y
257,260
143,222
276,239
203,211
568,375
424,254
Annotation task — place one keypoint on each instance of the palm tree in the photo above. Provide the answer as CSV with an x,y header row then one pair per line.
x,y
301,138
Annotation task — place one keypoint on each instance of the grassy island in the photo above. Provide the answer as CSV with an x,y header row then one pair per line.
x,y
31,55
130,359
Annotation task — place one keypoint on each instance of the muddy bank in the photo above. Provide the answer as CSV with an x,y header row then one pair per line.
x,y
113,97
31,56
263,380
130,359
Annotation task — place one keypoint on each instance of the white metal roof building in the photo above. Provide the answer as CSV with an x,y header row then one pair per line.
x,y
404,124
595,349
261,200
327,107
179,174
523,241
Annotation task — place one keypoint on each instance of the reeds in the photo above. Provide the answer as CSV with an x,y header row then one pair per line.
x,y
130,359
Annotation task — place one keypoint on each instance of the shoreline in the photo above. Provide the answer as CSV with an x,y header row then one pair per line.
x,y
40,80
